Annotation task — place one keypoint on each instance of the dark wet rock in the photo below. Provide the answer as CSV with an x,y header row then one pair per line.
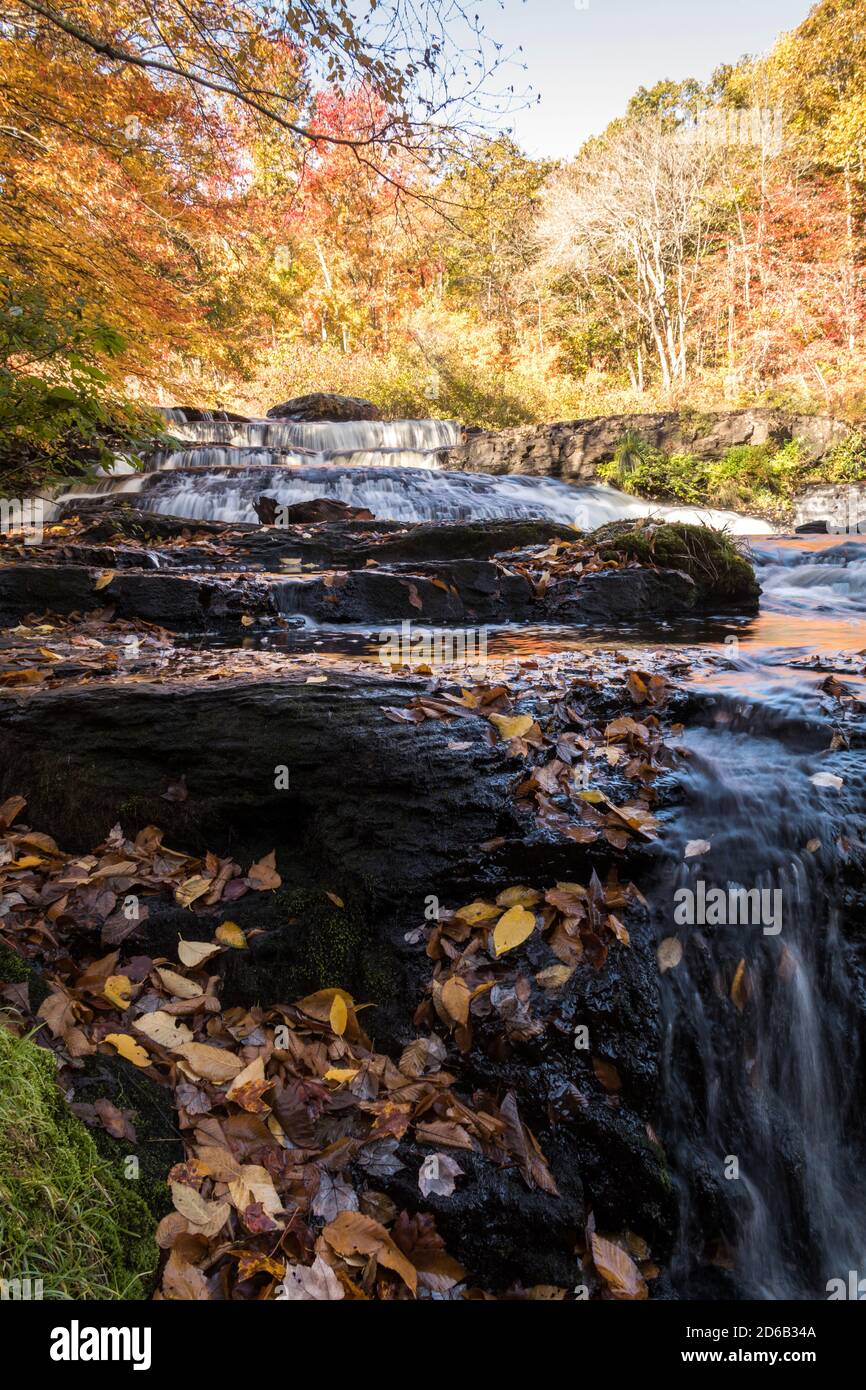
x,y
270,512
322,405
176,601
86,758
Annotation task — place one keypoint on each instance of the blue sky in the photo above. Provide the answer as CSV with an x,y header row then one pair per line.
x,y
586,63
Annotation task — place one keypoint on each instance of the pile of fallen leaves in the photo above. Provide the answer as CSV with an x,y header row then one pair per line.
x,y
562,562
292,1123
474,977
570,751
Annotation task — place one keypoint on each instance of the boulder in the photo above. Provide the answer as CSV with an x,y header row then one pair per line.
x,y
322,405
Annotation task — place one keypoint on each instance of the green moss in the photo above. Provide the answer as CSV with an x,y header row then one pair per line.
x,y
13,969
66,1217
708,556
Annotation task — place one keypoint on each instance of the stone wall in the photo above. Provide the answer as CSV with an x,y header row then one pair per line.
x,y
573,449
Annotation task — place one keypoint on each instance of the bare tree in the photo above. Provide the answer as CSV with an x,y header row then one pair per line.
x,y
631,217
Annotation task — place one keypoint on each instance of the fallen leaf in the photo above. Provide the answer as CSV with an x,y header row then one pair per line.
x,y
456,998
696,847
213,1063
827,779
128,1048
669,953
118,991
310,1282
164,1030
437,1174
263,876
194,953
353,1233
512,929
618,1270
230,934
339,1015
740,987
512,726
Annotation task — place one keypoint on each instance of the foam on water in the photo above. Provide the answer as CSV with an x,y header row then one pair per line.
x,y
225,493
319,436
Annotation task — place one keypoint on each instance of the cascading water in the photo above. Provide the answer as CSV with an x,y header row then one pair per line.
x,y
318,436
393,468
763,1098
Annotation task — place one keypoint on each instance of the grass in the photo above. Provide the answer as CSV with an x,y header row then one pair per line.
x,y
757,478
66,1217
709,557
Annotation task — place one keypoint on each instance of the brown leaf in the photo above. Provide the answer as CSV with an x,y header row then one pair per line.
x,y
352,1233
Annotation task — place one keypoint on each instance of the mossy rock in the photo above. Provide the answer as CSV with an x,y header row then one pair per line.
x,y
66,1216
318,945
14,970
707,556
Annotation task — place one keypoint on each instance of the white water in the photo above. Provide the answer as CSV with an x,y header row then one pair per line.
x,y
323,436
395,469
829,580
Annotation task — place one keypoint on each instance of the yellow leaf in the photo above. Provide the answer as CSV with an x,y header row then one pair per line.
x,y
518,896
340,1074
118,991
512,726
456,998
104,578
554,976
178,985
513,928
320,1004
230,934
128,1048
195,953
477,912
339,1015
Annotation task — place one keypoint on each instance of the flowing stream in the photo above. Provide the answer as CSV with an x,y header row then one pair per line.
x,y
761,1107
397,469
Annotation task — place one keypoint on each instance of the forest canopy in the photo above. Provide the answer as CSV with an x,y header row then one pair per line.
x,y
235,204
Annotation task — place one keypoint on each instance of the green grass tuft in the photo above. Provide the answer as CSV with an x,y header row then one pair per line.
x,y
65,1216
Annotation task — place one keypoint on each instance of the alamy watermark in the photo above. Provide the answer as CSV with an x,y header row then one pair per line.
x,y
759,126
702,906
26,1289
411,646
22,514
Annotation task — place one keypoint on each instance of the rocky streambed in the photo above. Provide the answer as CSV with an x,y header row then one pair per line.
x,y
338,864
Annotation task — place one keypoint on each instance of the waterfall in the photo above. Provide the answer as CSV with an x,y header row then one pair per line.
x,y
397,469
762,1108
318,436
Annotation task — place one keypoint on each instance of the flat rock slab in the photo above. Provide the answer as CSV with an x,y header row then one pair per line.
x,y
180,602
379,799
